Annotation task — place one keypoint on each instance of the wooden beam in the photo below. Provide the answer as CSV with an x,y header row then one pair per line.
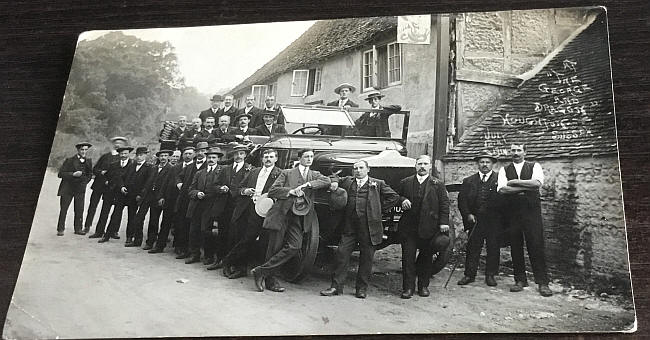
x,y
494,78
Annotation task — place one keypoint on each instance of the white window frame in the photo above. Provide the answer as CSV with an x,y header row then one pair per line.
x,y
317,79
297,92
392,82
259,99
371,69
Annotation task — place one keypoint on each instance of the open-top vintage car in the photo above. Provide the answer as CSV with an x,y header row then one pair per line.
x,y
335,154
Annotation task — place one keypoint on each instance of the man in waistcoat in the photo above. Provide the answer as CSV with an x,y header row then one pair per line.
x,y
519,183
157,201
424,225
75,173
368,198
478,202
191,164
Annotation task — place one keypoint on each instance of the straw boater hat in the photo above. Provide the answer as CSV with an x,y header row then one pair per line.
x,y
337,90
263,205
118,138
374,94
168,152
79,145
486,155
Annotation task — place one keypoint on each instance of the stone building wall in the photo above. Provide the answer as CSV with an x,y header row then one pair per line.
x,y
583,220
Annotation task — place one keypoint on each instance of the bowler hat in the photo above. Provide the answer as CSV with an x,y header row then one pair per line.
x,y
118,138
374,94
301,205
79,145
263,205
202,145
338,199
214,150
337,90
440,242
122,148
168,152
243,115
216,98
141,149
486,155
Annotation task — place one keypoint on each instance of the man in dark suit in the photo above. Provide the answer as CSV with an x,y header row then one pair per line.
x,y
291,216
478,204
75,173
116,178
252,110
344,90
229,110
243,128
375,124
203,192
215,106
271,106
207,133
269,125
519,183
224,133
368,198
178,131
424,225
244,218
228,180
187,138
158,205
191,166
101,191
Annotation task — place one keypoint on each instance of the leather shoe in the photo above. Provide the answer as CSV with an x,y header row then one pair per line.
x,y
193,259
544,290
330,291
424,292
215,265
131,244
86,230
360,293
183,256
518,286
115,236
79,232
147,247
407,294
96,235
208,260
59,233
276,288
237,274
465,280
490,281
103,239
155,250
259,279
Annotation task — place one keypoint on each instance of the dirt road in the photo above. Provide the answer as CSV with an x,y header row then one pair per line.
x,y
73,287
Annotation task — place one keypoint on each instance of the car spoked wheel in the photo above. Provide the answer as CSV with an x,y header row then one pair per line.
x,y
297,268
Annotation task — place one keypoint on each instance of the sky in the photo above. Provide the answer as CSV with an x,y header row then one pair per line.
x,y
216,58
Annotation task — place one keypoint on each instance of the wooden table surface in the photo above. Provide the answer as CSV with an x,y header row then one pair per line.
x,y
37,43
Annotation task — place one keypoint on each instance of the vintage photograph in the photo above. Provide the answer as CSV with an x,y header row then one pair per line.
x,y
434,173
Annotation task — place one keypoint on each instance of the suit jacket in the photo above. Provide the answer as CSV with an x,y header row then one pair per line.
x,y
228,177
204,136
116,175
276,218
177,133
71,185
202,182
232,113
277,109
185,176
249,132
370,126
100,183
381,198
468,195
208,113
137,182
336,103
434,210
262,130
246,202
159,184
333,129
228,136
256,115
171,192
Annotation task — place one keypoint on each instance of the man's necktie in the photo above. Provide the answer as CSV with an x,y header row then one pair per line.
x,y
483,178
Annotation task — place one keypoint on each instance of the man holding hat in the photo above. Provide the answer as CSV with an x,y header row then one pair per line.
x,y
269,125
100,189
75,173
157,202
478,202
229,179
374,124
424,225
252,110
203,192
344,90
248,223
215,106
367,199
184,178
291,216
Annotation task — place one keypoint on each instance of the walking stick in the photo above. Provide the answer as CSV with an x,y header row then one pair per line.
x,y
453,268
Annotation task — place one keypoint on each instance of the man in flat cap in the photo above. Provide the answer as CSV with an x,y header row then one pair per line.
x,y
215,106
100,189
478,202
75,173
368,198
344,91
269,126
193,161
157,202
374,124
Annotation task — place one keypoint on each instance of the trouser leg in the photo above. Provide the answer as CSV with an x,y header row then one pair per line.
x,y
409,249
79,199
534,236
138,223
473,251
493,254
366,254
95,197
64,204
423,262
166,225
517,252
195,234
107,203
244,248
208,240
116,219
154,221
290,247
343,252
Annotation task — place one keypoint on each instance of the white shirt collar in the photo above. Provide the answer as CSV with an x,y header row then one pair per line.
x,y
209,130
480,174
237,165
244,128
361,181
422,178
302,168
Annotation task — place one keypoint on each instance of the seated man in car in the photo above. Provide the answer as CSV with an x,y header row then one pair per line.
x,y
375,124
269,125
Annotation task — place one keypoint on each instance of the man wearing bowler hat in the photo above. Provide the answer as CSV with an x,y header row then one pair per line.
x,y
255,183
202,192
344,91
100,189
291,216
368,198
75,173
228,180
215,106
116,175
156,199
478,202
374,124
269,125
193,161
424,225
